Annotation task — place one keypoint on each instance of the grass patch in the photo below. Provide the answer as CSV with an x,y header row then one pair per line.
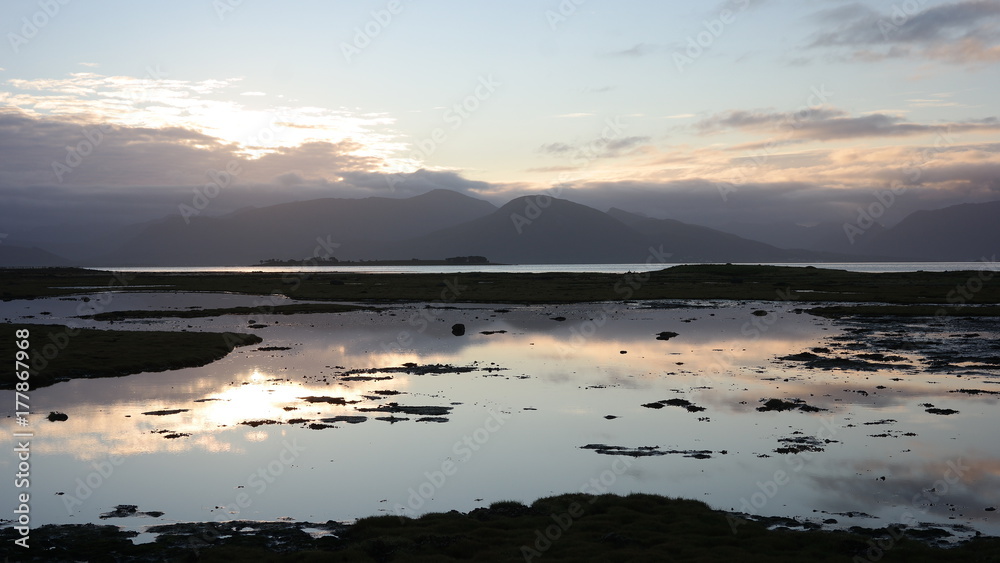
x,y
58,352
296,309
841,311
704,281
574,527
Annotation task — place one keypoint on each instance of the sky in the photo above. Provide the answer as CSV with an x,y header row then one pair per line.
x,y
796,111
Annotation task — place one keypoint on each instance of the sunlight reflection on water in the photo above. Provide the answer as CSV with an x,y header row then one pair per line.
x,y
546,385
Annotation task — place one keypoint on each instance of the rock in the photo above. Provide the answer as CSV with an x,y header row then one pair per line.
x,y
57,417
458,329
165,412
943,412
666,335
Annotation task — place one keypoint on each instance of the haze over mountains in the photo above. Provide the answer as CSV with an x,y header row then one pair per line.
x,y
531,229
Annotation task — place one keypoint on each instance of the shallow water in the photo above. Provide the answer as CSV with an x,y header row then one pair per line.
x,y
517,432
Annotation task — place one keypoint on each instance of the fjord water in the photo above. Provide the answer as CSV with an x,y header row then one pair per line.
x,y
537,391
873,267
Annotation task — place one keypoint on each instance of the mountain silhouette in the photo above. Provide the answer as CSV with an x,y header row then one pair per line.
x,y
527,230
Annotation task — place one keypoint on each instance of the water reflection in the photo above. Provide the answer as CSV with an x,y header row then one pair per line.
x,y
555,387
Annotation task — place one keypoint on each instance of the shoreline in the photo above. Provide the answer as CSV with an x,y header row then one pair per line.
x,y
897,299
774,283
572,526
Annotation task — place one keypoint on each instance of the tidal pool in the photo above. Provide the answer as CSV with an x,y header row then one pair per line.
x,y
531,401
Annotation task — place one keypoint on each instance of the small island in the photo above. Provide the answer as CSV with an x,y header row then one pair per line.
x,y
333,261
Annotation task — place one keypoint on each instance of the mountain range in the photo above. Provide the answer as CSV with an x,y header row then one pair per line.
x,y
529,229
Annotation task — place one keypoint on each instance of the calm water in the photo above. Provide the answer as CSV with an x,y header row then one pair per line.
x,y
597,268
517,432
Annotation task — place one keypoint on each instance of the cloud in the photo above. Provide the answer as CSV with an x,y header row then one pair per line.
x,y
42,151
637,50
206,106
963,32
827,124
601,148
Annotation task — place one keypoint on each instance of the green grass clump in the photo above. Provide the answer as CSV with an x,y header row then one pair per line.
x,y
59,352
573,527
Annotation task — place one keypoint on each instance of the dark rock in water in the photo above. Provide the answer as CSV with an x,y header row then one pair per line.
x,y
666,335
415,411
256,423
779,405
801,357
691,407
942,411
801,444
647,451
623,352
346,418
165,412
57,417
458,329
392,419
329,400
610,416
558,319
121,511
432,419
127,510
